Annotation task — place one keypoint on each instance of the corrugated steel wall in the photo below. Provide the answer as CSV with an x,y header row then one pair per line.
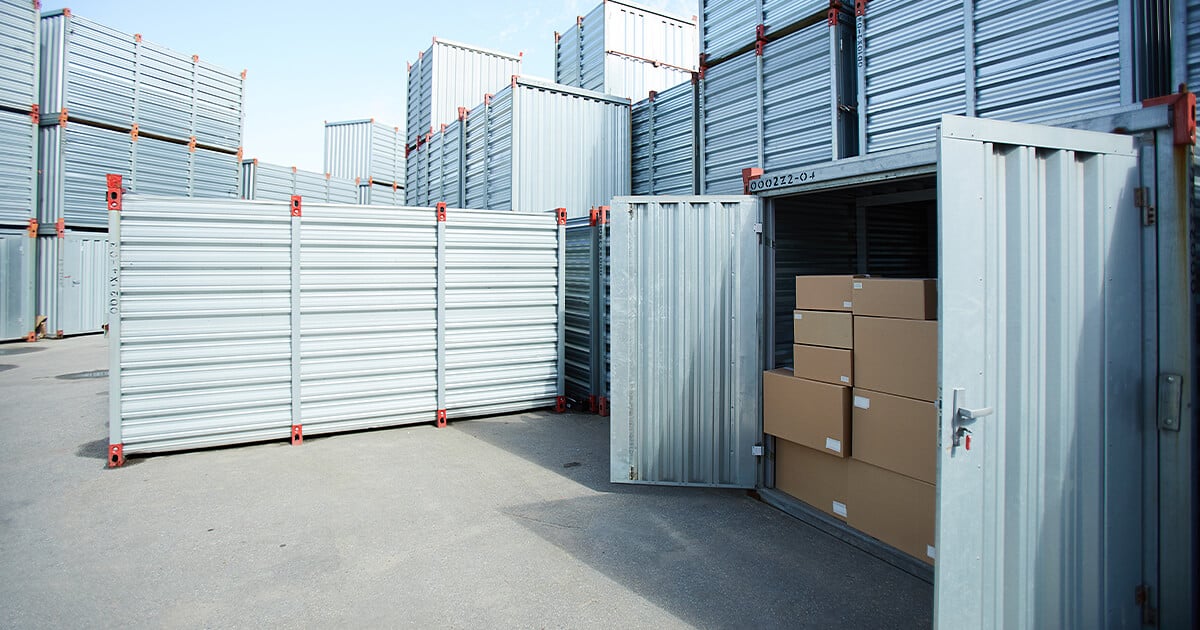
x,y
380,195
579,352
18,64
270,182
17,298
686,381
729,124
463,315
665,145
18,168
729,27
364,150
450,75
72,291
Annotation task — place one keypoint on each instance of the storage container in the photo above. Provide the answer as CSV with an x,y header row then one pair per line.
x,y
450,75
665,144
18,169
364,150
17,272
270,182
71,287
19,63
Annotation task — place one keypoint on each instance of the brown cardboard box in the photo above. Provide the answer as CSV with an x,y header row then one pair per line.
x,y
823,328
824,293
828,365
812,476
812,414
898,510
895,297
896,433
896,356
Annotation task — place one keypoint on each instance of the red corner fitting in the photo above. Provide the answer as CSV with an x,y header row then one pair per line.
x,y
192,144
441,418
514,80
31,336
561,213
297,434
1183,111
749,175
115,194
35,113
62,117
239,155
243,74
67,12
557,37
116,455
591,404
560,404
833,15
137,37
195,58
31,228
462,114
652,95
594,217
297,205
60,228
440,208
603,406
860,7
133,132
603,215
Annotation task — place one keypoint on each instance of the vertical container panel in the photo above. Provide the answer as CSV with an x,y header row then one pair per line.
x,y
214,174
567,56
18,265
687,363
501,312
642,139
204,352
219,103
18,64
912,69
159,168
71,285
641,32
364,150
271,182
675,143
729,100
433,176
727,26
451,165
593,50
450,76
580,324
165,91
373,269
18,168
343,191
312,186
500,144
476,162
76,159
380,195
798,99
421,165
779,14
635,78
90,72
1033,65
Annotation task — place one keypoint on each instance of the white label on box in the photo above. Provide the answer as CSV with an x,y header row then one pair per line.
x,y
862,402
930,551
833,445
845,379
799,315
857,285
839,508
847,304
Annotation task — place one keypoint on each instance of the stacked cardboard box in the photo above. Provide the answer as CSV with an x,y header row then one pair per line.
x,y
856,418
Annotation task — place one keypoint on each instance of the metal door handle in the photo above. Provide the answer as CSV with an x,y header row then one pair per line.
x,y
967,415
964,416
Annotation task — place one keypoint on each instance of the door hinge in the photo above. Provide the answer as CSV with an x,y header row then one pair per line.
x,y
758,228
1141,199
632,473
1170,402
1141,596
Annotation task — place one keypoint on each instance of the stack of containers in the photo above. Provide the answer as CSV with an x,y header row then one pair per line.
x,y
269,182
372,153
18,167
111,102
855,420
448,76
626,50
665,145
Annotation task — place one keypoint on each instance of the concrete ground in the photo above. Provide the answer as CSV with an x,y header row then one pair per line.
x,y
502,522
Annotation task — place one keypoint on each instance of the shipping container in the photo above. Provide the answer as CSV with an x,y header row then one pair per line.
x,y
437,167
457,314
626,50
585,346
18,169
19,63
665,144
74,159
381,195
365,150
71,287
535,146
270,182
781,106
95,74
448,76
17,294
731,27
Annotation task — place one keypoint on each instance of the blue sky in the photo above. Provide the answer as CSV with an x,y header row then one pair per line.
x,y
309,62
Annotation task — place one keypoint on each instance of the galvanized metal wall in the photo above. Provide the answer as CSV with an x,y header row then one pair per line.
x,y
71,287
270,182
580,353
18,65
729,124
379,195
687,330
729,26
364,150
665,145
17,268
450,75
463,315
18,168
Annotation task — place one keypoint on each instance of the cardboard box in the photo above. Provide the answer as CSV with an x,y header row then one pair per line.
x,y
827,365
812,414
824,293
896,509
823,328
896,356
895,297
896,433
813,477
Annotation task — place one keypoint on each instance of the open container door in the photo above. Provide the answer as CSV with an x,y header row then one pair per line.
x,y
686,340
1039,517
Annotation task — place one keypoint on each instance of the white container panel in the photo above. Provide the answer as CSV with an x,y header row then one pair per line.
x,y
18,65
18,267
18,168
71,285
214,174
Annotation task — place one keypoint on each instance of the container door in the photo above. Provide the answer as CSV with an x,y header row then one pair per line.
x,y
1040,499
686,340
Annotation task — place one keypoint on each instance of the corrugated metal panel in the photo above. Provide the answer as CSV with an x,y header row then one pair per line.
x,y
1040,524
435,164
17,298
214,174
1192,30
87,69
340,190
364,150
665,159
18,168
71,286
75,158
729,26
1033,65
799,103
270,182
567,57
451,75
900,242
729,124
634,78
476,154
206,356
500,142
165,91
579,353
592,50
219,107
18,64
643,32
159,168
379,195
912,69
686,381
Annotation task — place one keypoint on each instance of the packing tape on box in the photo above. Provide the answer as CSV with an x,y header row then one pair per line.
x,y
930,551
862,402
857,285
833,445
839,508
846,379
